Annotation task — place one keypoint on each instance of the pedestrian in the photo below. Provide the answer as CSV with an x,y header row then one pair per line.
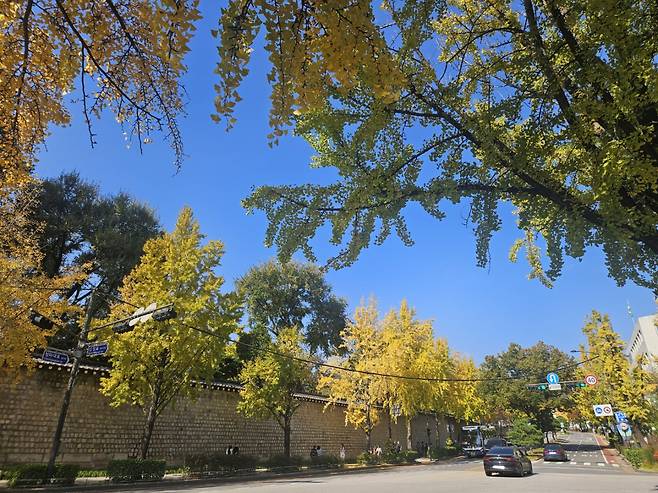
x,y
236,450
398,447
342,453
229,450
314,452
320,451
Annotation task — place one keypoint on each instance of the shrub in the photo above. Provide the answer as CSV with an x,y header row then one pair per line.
x,y
443,452
283,462
525,434
219,463
633,455
92,473
409,456
325,460
34,474
136,470
367,458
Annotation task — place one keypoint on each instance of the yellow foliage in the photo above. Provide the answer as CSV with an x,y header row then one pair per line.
x,y
159,360
22,286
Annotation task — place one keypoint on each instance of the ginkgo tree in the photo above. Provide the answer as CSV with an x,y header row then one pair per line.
x,y
409,351
24,287
361,392
159,361
547,107
622,384
270,381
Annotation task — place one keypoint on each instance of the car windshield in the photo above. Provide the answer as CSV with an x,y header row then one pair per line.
x,y
553,447
496,441
501,451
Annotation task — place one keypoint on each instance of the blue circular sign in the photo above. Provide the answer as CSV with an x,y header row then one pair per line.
x,y
552,378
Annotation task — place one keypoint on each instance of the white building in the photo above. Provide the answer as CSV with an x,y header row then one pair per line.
x,y
644,341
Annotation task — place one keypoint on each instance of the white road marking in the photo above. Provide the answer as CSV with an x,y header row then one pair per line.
x,y
615,465
587,463
600,464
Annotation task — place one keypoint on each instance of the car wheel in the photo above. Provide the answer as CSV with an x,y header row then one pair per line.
x,y
488,473
530,470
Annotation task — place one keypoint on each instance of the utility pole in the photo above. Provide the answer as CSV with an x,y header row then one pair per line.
x,y
77,358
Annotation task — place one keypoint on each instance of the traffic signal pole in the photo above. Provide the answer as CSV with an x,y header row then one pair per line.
x,y
77,358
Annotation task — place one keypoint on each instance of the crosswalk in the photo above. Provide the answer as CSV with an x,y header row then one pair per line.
x,y
575,463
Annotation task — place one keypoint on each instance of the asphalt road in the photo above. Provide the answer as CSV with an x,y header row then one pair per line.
x,y
584,473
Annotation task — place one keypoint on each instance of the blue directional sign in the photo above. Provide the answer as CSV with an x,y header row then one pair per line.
x,y
552,378
54,356
98,348
620,417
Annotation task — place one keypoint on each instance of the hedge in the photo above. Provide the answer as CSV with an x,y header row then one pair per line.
x,y
219,463
443,452
35,474
136,470
405,456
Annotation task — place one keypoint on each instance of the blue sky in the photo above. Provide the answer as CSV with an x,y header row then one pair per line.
x,y
479,311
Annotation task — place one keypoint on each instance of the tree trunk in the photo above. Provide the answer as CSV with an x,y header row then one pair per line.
x,y
148,431
410,445
368,430
438,423
390,426
286,437
151,416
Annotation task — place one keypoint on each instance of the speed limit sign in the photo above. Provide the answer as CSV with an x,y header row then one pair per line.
x,y
591,380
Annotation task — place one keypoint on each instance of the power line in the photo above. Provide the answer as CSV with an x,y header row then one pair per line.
x,y
379,374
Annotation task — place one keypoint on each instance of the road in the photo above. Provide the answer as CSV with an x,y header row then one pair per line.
x,y
587,471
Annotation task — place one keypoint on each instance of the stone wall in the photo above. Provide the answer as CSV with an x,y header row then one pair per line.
x,y
95,432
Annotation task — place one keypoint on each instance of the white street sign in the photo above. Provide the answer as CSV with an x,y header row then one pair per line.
x,y
601,410
591,380
554,386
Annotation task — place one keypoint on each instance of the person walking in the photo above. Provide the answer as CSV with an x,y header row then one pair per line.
x,y
342,453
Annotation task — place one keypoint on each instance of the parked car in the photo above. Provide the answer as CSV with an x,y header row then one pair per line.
x,y
507,460
555,451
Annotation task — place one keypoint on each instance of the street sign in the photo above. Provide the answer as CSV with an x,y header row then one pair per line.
x,y
620,417
97,348
554,386
55,356
601,410
552,378
591,380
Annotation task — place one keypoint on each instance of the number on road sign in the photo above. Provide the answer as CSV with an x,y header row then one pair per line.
x,y
591,380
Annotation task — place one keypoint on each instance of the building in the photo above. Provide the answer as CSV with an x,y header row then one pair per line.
x,y
644,341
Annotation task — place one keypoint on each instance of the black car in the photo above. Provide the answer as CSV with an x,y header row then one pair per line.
x,y
555,451
507,460
495,442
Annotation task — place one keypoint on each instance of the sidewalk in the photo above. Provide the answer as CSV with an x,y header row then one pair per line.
x,y
611,455
174,480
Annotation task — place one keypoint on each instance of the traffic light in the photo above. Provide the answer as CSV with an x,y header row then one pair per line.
x,y
122,328
576,385
41,321
538,386
163,314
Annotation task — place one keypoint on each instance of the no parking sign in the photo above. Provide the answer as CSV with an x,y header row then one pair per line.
x,y
601,410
